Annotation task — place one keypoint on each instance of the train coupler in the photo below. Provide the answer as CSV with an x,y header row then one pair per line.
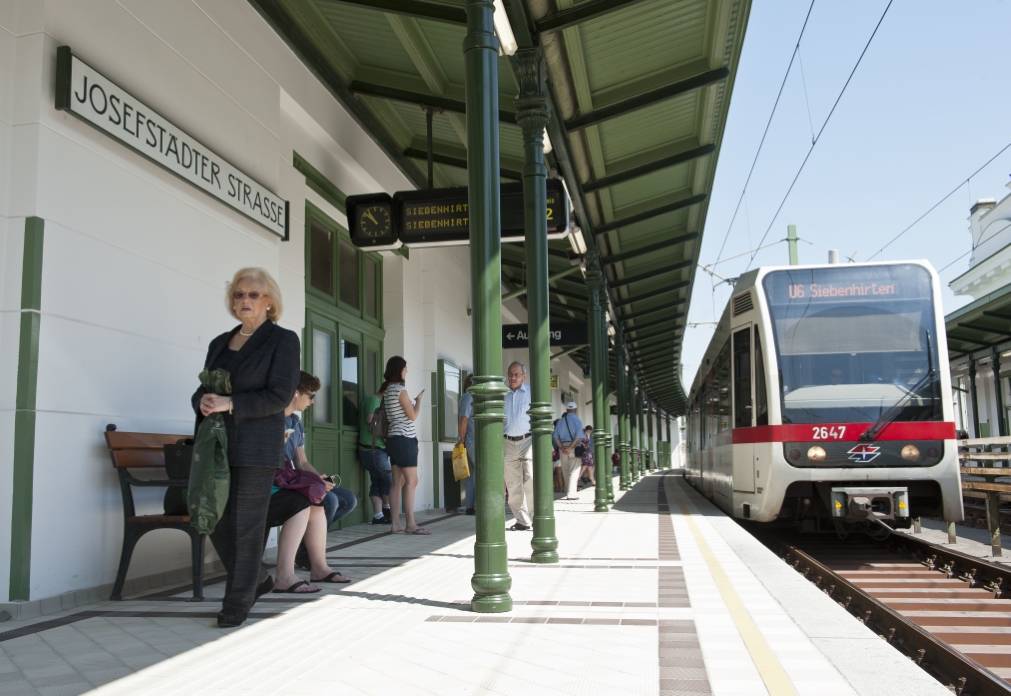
x,y
854,504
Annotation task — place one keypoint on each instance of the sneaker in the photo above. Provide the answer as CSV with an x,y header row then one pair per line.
x,y
470,511
519,528
381,520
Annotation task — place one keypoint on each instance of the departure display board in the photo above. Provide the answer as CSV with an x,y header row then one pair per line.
x,y
441,216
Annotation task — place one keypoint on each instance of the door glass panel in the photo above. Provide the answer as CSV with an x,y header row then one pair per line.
x,y
371,291
742,379
761,398
348,274
322,365
349,383
321,258
371,369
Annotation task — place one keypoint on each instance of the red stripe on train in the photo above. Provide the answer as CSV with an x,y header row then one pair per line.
x,y
839,432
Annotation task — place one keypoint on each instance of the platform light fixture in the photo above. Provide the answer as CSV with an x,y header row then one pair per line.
x,y
504,31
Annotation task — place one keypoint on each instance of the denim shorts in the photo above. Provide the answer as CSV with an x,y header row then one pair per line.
x,y
381,477
403,451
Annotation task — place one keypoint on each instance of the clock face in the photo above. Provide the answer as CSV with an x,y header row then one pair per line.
x,y
374,220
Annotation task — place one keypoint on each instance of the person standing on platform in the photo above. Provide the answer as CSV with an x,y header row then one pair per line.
x,y
372,456
568,436
262,359
466,426
402,444
518,448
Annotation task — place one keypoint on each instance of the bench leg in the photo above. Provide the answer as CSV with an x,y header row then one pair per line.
x,y
993,521
131,535
197,548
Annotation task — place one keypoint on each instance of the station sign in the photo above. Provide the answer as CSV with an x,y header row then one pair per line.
x,y
562,334
441,217
95,99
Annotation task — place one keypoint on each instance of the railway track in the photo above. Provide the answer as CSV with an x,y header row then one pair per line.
x,y
949,612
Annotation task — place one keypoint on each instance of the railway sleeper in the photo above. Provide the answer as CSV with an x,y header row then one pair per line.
x,y
961,674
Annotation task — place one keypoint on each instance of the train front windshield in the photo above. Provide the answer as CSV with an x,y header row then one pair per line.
x,y
855,343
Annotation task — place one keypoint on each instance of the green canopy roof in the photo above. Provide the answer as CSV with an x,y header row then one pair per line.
x,y
640,91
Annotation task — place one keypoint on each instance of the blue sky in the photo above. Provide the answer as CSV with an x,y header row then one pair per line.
x,y
928,106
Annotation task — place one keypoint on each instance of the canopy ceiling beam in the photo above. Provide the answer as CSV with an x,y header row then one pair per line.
x,y
644,345
457,162
410,8
648,168
628,280
663,327
648,249
654,96
372,89
592,9
646,312
652,213
983,329
640,298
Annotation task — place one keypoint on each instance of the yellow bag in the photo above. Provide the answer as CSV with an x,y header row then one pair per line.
x,y
460,468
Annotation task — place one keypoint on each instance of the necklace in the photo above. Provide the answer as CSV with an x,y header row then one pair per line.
x,y
247,335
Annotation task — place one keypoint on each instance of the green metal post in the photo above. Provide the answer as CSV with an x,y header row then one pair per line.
x,y
633,426
532,115
608,466
623,445
670,446
640,415
598,373
791,242
650,442
491,580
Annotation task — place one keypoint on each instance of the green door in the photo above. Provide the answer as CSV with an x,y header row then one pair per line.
x,y
343,348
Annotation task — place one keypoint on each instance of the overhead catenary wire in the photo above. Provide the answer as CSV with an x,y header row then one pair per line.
x,y
931,209
822,129
766,131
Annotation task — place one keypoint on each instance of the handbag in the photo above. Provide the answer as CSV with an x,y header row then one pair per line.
x,y
178,458
580,450
379,426
305,482
461,469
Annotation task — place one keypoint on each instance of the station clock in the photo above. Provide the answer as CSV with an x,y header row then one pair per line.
x,y
372,220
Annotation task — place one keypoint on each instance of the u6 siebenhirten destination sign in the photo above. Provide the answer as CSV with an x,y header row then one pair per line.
x,y
92,97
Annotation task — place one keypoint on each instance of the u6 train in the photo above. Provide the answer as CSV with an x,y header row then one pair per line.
x,y
820,402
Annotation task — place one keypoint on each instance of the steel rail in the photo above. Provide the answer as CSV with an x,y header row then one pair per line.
x,y
963,675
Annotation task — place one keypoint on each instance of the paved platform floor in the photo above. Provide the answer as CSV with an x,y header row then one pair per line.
x,y
662,596
969,540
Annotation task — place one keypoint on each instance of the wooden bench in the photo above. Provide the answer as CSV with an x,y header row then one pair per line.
x,y
147,451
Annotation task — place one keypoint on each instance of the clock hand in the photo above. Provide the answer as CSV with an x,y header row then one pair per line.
x,y
370,217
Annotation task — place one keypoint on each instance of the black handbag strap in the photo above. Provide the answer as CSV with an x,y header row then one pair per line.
x,y
568,428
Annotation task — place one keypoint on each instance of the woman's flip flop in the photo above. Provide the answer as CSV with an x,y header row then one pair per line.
x,y
420,531
331,576
293,589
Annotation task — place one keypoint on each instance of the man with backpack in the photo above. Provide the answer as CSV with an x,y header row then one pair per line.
x,y
568,437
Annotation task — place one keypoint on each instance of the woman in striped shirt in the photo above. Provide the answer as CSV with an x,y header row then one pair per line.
x,y
401,443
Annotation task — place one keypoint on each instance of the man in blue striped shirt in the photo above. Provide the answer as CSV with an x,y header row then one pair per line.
x,y
517,448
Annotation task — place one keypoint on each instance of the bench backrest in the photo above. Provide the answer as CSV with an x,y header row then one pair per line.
x,y
139,450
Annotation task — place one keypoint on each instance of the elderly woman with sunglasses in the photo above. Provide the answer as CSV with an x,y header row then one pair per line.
x,y
263,361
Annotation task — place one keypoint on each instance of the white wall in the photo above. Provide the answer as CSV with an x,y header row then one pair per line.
x,y
135,260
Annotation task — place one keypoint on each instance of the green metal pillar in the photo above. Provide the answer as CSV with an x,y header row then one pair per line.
x,y
491,580
598,373
623,445
640,415
532,115
670,446
659,441
633,438
650,442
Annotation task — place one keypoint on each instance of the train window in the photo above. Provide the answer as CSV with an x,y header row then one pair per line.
x,y
742,378
723,386
761,395
852,342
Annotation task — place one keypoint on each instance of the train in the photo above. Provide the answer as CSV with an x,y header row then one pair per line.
x,y
820,402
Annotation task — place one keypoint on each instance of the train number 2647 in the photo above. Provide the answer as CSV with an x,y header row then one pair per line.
x,y
828,433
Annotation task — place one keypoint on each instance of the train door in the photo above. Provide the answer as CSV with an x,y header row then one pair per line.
x,y
743,454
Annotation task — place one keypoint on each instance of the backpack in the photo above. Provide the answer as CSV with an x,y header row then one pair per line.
x,y
379,426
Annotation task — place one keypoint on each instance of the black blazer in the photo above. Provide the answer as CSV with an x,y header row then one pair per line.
x,y
264,374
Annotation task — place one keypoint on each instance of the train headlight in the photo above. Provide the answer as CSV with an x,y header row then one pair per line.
x,y
911,453
816,454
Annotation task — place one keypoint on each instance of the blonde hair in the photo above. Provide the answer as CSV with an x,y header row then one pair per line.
x,y
261,276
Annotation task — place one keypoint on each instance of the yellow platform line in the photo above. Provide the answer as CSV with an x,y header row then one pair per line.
x,y
773,675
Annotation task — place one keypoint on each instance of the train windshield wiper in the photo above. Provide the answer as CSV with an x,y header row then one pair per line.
x,y
891,414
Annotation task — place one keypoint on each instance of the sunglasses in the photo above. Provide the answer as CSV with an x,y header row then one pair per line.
x,y
312,397
253,295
